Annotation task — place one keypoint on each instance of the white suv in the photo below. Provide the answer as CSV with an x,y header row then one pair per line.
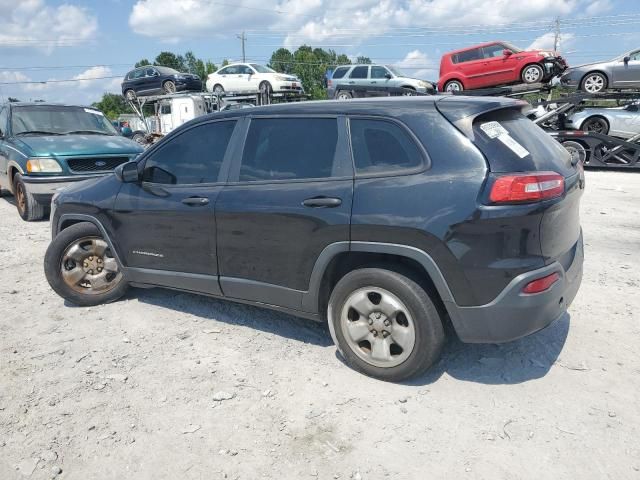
x,y
252,78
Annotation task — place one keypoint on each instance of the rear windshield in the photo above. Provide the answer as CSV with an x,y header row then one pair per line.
x,y
511,143
58,120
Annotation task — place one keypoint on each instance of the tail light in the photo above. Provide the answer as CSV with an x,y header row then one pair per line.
x,y
526,187
329,82
541,284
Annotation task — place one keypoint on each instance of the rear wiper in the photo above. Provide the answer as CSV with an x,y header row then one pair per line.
x,y
37,132
96,132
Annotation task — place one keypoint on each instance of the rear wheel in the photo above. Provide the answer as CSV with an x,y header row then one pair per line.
x,y
596,125
81,268
130,95
343,95
594,82
169,87
28,207
453,86
265,88
532,73
385,324
218,89
578,152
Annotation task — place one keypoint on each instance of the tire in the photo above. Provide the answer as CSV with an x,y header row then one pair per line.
x,y
68,252
28,207
218,89
169,87
265,87
578,151
416,318
130,95
453,86
138,137
594,82
409,91
532,73
343,95
596,124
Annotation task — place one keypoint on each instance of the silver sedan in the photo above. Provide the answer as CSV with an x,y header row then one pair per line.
x,y
623,122
621,72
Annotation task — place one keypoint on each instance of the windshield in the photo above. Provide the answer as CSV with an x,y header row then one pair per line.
x,y
59,120
262,68
511,47
395,71
166,70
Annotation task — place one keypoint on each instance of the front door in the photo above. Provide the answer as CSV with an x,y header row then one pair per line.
x,y
627,75
288,198
498,67
359,76
165,225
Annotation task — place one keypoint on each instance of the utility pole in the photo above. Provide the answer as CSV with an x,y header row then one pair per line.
x,y
556,36
243,38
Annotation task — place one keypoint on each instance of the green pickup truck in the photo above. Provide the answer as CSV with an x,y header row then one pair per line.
x,y
45,147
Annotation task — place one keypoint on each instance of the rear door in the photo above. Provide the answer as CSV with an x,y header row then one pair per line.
x,y
165,225
472,65
359,76
289,197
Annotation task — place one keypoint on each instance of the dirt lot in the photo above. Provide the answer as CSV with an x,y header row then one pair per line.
x,y
176,386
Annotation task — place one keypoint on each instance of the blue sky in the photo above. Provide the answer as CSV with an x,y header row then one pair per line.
x,y
53,40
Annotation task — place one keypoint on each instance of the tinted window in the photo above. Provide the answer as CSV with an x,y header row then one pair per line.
x,y
138,74
150,72
359,72
192,157
339,72
229,70
493,51
245,70
289,148
468,56
635,57
382,146
378,72
4,116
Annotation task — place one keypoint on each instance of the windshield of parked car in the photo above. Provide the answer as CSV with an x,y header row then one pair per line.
x,y
59,120
511,47
166,70
395,71
262,68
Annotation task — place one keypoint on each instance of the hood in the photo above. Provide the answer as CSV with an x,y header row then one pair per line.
x,y
590,65
70,145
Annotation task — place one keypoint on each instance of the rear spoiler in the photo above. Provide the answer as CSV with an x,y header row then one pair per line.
x,y
462,111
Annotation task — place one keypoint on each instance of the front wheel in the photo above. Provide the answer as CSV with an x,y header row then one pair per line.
x,y
169,87
596,125
81,268
384,324
265,88
28,207
579,153
532,73
594,83
343,95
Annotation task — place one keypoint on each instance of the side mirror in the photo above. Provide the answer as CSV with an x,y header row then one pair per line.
x,y
632,108
507,53
126,131
388,76
626,59
127,172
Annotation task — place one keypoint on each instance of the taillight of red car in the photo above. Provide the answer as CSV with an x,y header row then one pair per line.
x,y
519,187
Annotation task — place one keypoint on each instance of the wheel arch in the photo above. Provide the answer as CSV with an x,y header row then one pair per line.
x,y
453,79
67,220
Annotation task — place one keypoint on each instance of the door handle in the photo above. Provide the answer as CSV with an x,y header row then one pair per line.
x,y
322,202
196,201
351,83
374,82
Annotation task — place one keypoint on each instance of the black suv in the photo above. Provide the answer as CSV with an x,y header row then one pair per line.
x,y
386,217
151,80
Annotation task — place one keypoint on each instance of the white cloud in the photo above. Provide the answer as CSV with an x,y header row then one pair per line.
x,y
35,24
87,91
547,41
417,64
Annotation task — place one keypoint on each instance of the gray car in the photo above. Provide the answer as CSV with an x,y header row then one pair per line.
x,y
623,122
621,72
371,76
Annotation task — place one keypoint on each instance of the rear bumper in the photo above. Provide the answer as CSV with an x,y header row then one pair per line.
x,y
43,188
513,314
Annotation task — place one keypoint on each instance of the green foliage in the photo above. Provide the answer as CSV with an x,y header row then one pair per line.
x,y
171,60
143,63
308,64
13,99
364,60
112,105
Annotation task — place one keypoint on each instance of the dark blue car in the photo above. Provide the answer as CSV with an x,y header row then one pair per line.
x,y
156,80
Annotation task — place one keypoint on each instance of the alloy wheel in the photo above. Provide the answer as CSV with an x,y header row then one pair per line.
x,y
378,327
453,87
532,74
88,267
594,83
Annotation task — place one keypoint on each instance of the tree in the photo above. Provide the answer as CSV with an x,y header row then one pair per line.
x,y
142,63
171,60
13,99
112,105
363,60
282,61
198,67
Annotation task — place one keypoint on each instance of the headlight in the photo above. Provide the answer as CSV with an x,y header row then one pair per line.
x,y
424,84
546,54
43,165
282,78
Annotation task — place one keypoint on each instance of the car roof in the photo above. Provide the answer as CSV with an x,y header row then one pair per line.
x,y
485,44
47,104
369,106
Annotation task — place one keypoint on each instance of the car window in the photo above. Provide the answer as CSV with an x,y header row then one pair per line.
x,y
130,75
289,148
378,72
468,56
359,72
193,157
493,51
382,146
4,117
230,70
150,72
635,56
339,72
246,70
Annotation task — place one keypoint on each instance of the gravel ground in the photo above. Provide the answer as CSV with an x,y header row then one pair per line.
x,y
177,386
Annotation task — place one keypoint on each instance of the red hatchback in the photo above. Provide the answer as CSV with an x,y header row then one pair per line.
x,y
494,64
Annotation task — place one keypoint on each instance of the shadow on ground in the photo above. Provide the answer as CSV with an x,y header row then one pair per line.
x,y
515,362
